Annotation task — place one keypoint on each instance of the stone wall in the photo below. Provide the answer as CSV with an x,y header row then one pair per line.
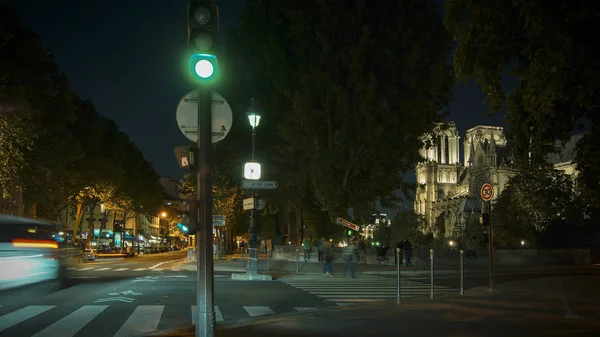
x,y
450,257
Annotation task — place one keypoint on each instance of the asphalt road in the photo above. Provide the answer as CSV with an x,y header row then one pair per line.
x,y
109,301
149,293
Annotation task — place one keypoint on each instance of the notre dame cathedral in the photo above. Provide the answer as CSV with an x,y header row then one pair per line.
x,y
450,187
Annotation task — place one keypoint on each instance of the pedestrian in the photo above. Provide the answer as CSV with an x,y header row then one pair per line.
x,y
407,251
307,245
328,259
321,248
362,247
349,255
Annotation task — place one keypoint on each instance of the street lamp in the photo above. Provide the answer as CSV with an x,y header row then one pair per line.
x,y
254,118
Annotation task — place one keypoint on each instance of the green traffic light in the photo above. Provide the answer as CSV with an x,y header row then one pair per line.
x,y
204,69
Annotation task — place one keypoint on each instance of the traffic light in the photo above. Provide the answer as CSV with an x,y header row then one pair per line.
x,y
183,228
203,31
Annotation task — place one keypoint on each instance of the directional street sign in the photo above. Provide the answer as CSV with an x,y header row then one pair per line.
x,y
347,223
487,192
259,184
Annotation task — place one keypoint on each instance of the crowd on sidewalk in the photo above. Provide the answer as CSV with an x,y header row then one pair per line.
x,y
353,254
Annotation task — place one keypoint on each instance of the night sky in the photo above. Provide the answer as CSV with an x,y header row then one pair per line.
x,y
127,55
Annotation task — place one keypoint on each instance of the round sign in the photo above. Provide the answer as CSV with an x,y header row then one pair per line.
x,y
487,192
187,116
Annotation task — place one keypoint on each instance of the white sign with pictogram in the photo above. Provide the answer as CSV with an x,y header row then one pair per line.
x,y
487,192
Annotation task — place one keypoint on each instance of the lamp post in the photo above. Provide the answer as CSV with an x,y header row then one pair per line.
x,y
254,119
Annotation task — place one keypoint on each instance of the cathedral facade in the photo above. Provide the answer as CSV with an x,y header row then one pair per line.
x,y
448,189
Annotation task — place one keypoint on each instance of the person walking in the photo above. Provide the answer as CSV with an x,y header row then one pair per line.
x,y
407,251
307,245
328,259
321,248
350,254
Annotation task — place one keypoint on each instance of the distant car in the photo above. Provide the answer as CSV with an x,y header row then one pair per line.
x,y
29,253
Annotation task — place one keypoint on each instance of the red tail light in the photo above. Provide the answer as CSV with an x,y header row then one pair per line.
x,y
28,243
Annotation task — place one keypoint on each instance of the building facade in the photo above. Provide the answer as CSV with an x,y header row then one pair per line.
x,y
448,189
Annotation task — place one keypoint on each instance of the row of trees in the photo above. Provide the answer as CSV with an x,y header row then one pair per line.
x,y
55,147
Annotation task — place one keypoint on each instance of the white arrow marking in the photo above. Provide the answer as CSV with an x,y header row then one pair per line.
x,y
114,299
128,292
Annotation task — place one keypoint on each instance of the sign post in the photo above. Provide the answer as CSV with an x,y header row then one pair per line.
x,y
347,223
487,193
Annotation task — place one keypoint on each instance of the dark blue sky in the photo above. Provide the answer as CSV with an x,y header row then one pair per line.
x,y
127,55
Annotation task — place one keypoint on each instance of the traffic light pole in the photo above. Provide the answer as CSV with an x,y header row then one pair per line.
x,y
204,249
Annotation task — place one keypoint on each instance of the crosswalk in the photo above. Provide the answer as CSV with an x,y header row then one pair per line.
x,y
93,320
348,290
107,269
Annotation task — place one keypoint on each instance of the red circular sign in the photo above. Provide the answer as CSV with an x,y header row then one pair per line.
x,y
487,192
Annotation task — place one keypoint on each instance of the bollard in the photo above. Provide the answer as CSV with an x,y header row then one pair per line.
x,y
398,264
297,261
432,280
462,272
242,257
268,260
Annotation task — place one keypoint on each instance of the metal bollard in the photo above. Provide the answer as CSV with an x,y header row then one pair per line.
x,y
432,280
297,261
462,272
242,257
398,264
268,260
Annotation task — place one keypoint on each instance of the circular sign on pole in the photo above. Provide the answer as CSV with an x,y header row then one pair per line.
x,y
187,116
487,192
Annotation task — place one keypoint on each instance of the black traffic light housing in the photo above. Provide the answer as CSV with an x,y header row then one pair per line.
x,y
203,35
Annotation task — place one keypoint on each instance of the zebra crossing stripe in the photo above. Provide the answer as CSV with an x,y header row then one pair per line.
x,y
144,319
218,314
255,311
139,269
102,269
21,315
75,321
121,269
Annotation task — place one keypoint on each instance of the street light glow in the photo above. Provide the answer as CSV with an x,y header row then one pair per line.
x,y
163,214
204,69
254,119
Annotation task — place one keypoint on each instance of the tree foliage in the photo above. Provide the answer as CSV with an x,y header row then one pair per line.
x,y
548,46
56,147
348,88
531,207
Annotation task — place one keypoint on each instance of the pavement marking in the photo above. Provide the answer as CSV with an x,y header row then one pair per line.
x,y
71,324
139,269
21,315
143,320
218,314
176,269
348,290
255,311
102,269
84,269
157,269
304,308
161,263
121,269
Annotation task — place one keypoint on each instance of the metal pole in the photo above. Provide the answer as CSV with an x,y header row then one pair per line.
x,y
242,257
253,251
297,261
462,272
398,264
205,320
268,260
490,246
431,282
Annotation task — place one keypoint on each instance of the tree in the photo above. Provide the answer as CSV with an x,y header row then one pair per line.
x,y
547,46
354,85
474,237
408,225
532,204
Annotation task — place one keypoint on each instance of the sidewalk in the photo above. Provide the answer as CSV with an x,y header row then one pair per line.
x,y
561,306
287,269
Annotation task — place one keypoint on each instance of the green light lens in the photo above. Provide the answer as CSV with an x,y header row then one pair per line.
x,y
204,69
